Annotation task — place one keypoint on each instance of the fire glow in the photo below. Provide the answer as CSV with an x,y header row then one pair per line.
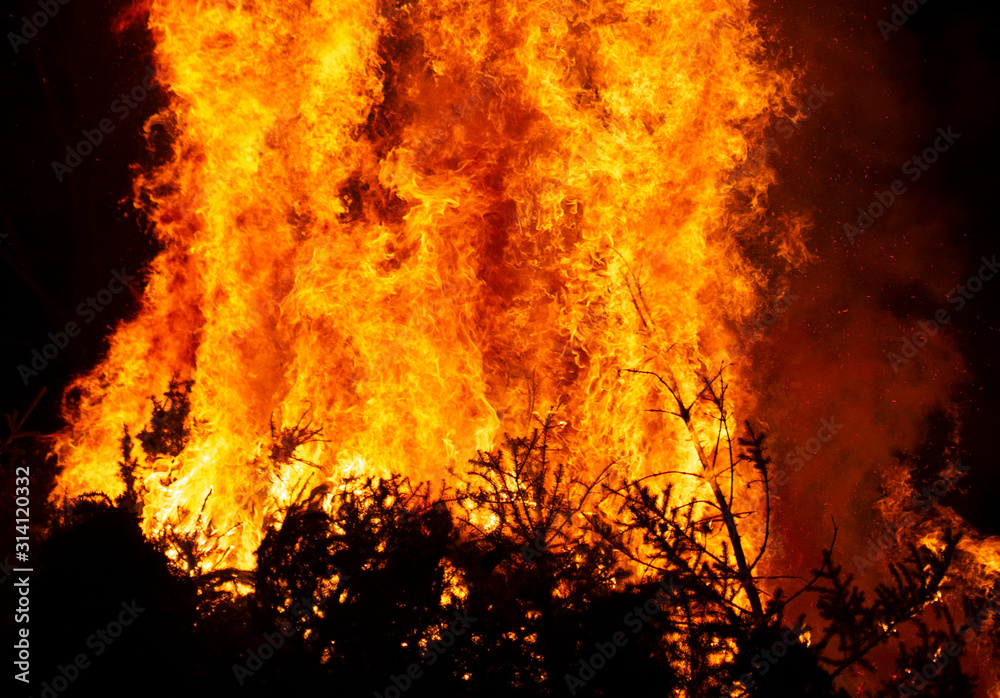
x,y
414,226
392,233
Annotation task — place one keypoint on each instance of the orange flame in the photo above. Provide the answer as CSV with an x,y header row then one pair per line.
x,y
419,223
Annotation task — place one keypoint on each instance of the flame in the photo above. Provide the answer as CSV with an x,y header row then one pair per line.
x,y
415,225
975,568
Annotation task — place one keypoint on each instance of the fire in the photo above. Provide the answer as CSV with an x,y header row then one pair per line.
x,y
415,225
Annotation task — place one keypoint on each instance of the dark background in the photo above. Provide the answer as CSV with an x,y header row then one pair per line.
x,y
890,97
62,241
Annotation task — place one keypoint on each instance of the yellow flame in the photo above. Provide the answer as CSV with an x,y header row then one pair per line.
x,y
421,223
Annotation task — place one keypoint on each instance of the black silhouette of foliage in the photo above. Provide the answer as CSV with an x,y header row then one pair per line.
x,y
359,582
716,577
131,498
286,440
859,627
165,435
540,575
95,569
371,560
528,510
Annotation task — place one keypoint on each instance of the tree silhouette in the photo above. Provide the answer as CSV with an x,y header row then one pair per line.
x,y
521,579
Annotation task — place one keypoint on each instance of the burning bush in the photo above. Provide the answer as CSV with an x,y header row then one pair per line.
x,y
523,580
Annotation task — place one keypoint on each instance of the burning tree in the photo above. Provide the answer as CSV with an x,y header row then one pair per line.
x,y
408,221
725,623
564,585
398,249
